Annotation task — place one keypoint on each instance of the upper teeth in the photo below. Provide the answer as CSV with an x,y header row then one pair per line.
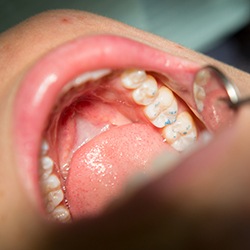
x,y
146,91
199,96
87,76
199,89
161,108
132,79
182,133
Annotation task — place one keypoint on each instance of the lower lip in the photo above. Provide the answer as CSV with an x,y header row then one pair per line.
x,y
43,83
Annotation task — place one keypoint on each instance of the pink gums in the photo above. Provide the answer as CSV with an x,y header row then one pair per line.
x,y
104,142
42,84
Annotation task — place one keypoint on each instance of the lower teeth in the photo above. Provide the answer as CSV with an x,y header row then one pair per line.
x,y
53,194
178,130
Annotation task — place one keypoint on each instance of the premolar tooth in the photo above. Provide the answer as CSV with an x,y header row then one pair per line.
x,y
61,213
132,79
181,133
44,147
163,110
146,93
54,198
64,170
46,166
51,183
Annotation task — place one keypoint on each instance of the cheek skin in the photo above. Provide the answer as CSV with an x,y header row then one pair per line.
x,y
40,31
21,46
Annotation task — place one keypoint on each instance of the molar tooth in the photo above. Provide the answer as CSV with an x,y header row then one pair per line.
x,y
185,141
181,133
146,93
163,110
161,102
167,116
61,213
51,183
133,78
54,198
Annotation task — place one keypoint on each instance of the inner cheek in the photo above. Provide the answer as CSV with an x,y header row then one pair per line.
x,y
101,134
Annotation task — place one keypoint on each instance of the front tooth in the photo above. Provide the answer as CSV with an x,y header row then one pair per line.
x,y
61,213
181,133
85,77
146,93
163,110
51,183
91,76
54,198
132,79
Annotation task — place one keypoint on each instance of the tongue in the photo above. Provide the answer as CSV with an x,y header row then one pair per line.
x,y
100,168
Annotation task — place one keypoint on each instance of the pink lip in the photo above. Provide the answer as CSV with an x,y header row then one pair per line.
x,y
44,81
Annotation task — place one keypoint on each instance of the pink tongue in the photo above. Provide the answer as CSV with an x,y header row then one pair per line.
x,y
100,168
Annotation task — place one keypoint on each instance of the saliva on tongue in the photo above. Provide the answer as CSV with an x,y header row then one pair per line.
x,y
100,168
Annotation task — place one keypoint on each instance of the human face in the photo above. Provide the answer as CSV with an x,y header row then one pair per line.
x,y
26,52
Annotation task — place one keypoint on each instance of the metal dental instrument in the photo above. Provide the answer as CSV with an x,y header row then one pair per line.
x,y
217,99
233,100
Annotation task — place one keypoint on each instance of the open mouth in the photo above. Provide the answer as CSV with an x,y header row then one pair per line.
x,y
96,111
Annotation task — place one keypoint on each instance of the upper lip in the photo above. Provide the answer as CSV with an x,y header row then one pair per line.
x,y
44,81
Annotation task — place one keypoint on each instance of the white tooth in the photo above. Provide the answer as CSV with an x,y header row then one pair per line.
x,y
163,110
93,75
87,76
51,183
202,77
162,101
132,79
61,213
46,166
185,141
182,133
146,93
46,162
166,116
64,170
44,147
54,198
199,90
199,96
